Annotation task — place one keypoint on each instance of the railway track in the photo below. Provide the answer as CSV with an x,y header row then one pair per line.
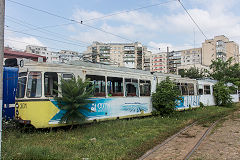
x,y
181,145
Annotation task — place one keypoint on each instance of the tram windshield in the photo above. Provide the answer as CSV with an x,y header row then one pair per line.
x,y
34,86
21,84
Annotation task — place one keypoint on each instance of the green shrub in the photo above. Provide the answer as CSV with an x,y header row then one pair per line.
x,y
165,98
201,105
222,94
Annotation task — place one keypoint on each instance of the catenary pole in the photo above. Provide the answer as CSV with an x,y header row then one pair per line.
x,y
2,12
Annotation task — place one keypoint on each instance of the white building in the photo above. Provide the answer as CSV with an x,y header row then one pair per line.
x,y
52,57
63,56
129,55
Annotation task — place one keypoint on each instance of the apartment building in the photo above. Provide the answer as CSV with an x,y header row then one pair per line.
x,y
129,55
67,55
219,47
173,61
159,62
147,60
62,56
43,51
191,56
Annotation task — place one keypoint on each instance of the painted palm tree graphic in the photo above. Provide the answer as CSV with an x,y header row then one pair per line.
x,y
134,107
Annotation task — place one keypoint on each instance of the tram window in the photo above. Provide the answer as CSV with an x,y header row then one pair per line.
x,y
233,90
184,89
99,85
145,88
131,87
67,76
178,85
200,91
190,89
22,74
115,86
21,87
207,89
50,84
34,87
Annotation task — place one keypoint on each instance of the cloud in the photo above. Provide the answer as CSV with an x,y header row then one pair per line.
x,y
158,47
172,28
22,42
84,15
155,47
143,19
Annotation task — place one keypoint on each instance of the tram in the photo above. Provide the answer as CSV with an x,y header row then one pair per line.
x,y
119,92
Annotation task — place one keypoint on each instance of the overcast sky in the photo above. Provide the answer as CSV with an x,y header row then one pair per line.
x,y
158,26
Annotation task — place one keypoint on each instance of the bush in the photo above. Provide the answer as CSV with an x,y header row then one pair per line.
x,y
201,105
222,94
165,98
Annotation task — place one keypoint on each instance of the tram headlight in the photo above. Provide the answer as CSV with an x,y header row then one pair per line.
x,y
17,112
16,105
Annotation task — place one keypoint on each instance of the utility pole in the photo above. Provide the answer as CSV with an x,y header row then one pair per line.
x,y
194,45
2,12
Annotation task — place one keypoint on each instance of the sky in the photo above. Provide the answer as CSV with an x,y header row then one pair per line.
x,y
158,24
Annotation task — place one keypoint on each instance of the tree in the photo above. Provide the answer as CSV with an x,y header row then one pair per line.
x,y
166,96
226,71
192,72
74,96
222,94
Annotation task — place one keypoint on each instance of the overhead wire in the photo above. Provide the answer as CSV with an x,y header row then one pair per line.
x,y
199,26
68,19
55,40
23,23
127,11
8,39
81,22
192,19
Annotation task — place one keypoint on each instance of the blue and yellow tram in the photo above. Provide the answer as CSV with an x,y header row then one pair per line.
x,y
119,92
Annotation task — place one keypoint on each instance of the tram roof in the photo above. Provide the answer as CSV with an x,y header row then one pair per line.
x,y
108,67
104,66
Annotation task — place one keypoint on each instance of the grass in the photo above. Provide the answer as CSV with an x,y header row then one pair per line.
x,y
119,139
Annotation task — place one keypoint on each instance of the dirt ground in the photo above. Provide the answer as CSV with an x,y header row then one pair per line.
x,y
180,146
223,142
